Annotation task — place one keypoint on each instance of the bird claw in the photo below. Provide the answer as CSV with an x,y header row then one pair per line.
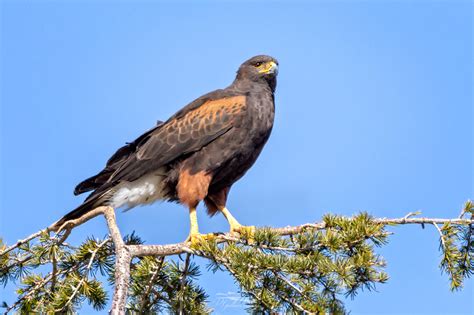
x,y
196,239
247,232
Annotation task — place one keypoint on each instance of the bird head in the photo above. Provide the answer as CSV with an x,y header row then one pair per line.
x,y
259,68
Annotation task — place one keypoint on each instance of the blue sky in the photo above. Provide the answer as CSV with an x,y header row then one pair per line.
x,y
374,112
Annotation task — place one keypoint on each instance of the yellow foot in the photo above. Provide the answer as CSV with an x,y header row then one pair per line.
x,y
247,232
197,239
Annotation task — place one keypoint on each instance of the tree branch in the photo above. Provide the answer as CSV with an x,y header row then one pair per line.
x,y
180,248
125,253
123,258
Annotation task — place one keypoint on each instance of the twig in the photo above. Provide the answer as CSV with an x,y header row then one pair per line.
x,y
16,263
292,285
183,283
30,293
440,235
412,214
293,303
468,207
88,267
28,258
21,242
156,297
54,271
423,221
36,288
150,283
288,282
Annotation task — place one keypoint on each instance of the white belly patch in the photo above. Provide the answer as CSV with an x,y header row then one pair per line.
x,y
145,190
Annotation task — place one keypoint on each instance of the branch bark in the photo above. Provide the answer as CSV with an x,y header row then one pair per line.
x,y
123,258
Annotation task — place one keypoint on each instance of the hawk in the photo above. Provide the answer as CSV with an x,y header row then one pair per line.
x,y
196,155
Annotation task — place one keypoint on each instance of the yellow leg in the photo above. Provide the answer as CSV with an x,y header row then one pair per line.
x,y
235,226
194,229
194,236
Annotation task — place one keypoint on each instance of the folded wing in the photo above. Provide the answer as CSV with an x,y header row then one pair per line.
x,y
186,132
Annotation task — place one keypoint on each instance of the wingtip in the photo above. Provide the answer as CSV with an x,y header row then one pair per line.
x,y
78,190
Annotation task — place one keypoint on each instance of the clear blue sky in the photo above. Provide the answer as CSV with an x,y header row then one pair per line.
x,y
374,112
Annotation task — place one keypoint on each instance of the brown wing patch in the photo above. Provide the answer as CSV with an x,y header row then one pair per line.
x,y
195,129
192,188
233,104
209,118
182,135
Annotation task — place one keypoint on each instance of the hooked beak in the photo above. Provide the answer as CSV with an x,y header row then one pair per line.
x,y
269,68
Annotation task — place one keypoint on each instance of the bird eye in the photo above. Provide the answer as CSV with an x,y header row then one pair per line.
x,y
257,64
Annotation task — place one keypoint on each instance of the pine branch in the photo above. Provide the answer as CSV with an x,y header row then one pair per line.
x,y
30,293
21,242
88,268
124,253
150,284
181,248
35,289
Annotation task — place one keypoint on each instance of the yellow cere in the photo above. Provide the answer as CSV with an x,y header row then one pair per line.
x,y
267,67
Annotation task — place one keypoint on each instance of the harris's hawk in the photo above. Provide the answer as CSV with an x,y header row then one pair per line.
x,y
196,155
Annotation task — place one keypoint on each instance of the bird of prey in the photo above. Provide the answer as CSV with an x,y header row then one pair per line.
x,y
196,155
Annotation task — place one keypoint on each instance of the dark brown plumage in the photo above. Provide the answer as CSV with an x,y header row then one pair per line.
x,y
195,155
